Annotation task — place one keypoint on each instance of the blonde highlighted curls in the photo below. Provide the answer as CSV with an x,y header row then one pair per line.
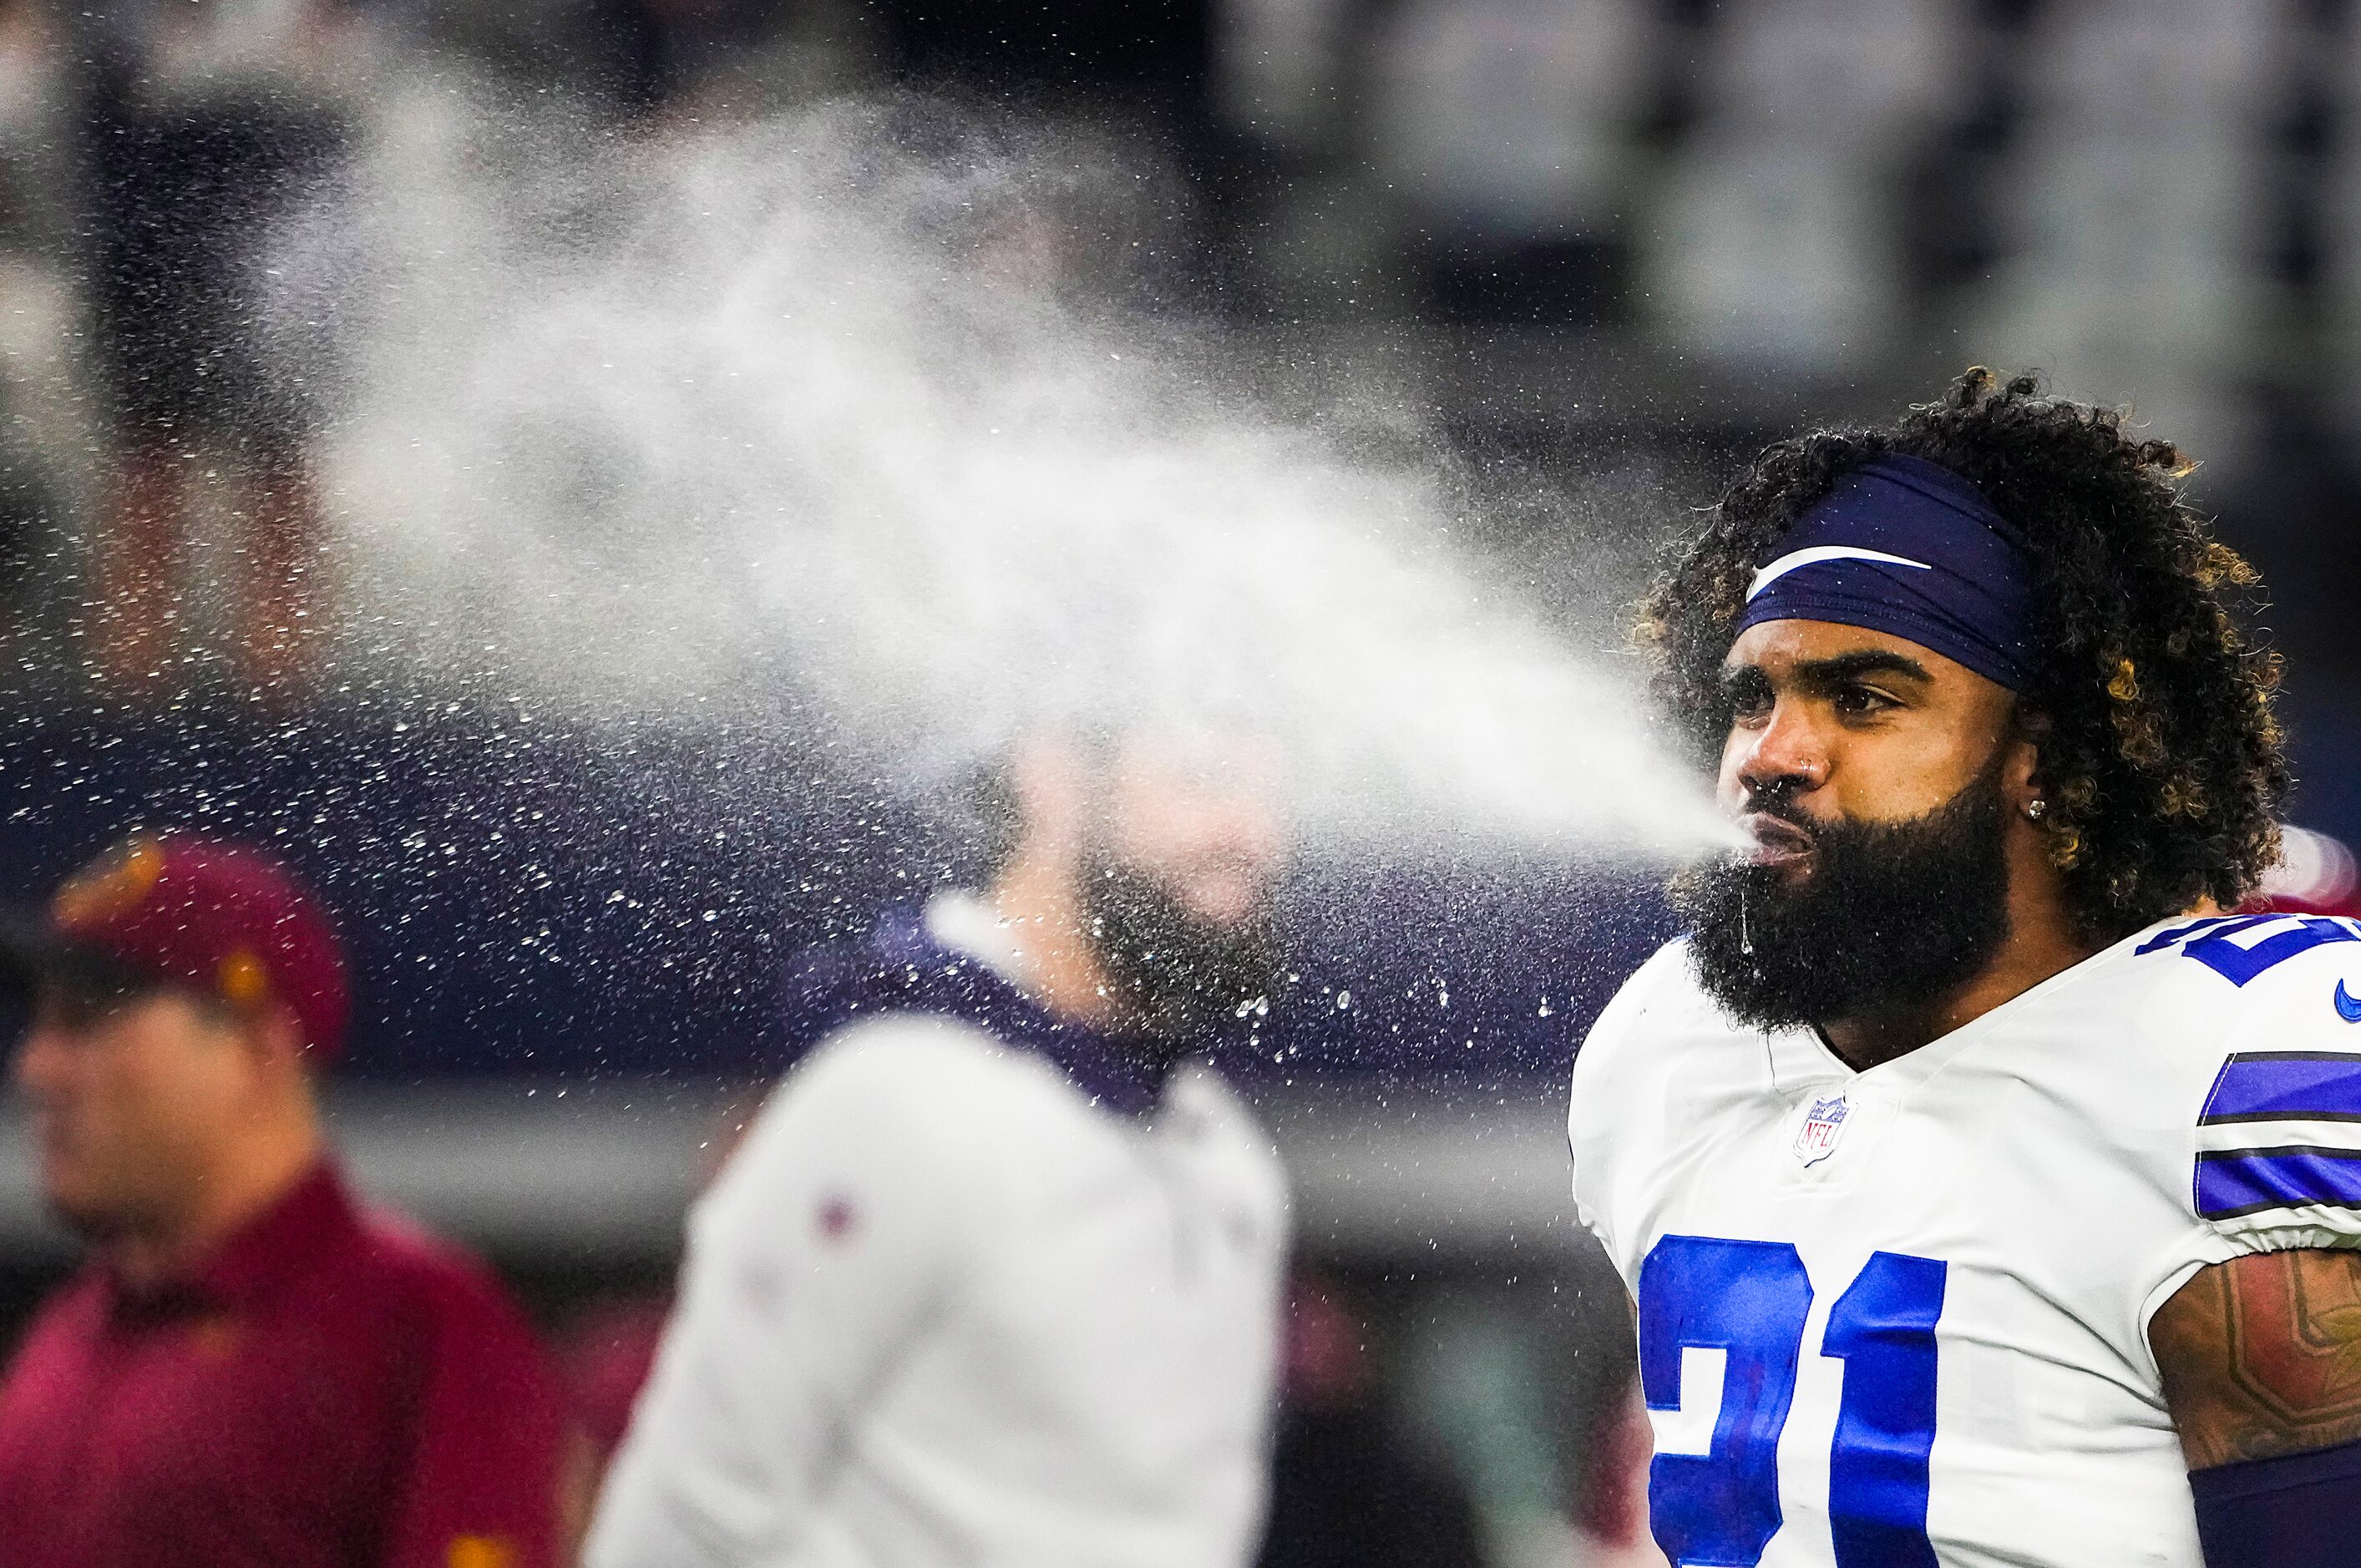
x,y
2160,753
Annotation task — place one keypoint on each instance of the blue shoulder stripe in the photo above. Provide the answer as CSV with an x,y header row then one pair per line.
x,y
2271,1086
2243,1181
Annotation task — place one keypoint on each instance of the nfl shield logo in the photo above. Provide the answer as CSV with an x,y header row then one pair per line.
x,y
1816,1138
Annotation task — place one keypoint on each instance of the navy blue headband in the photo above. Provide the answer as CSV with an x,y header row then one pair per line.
x,y
1902,546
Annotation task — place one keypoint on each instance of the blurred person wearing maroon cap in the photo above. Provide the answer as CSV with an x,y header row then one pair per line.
x,y
251,1369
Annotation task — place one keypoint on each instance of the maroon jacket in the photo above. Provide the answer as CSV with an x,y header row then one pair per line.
x,y
331,1388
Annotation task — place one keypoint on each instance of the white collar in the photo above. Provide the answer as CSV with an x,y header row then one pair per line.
x,y
967,922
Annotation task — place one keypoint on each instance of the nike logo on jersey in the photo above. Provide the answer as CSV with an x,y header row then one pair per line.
x,y
2348,1006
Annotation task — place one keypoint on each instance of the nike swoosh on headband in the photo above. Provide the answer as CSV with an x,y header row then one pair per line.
x,y
1796,559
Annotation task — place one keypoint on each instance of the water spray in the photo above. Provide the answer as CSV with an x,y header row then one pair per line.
x,y
679,428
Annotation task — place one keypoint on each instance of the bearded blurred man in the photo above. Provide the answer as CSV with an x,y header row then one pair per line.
x,y
993,1277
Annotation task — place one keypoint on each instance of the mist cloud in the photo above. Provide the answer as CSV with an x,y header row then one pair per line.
x,y
684,427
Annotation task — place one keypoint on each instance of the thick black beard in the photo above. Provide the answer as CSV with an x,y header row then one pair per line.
x,y
1892,916
1181,979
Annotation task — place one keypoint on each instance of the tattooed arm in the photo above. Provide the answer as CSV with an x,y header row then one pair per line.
x,y
2261,1356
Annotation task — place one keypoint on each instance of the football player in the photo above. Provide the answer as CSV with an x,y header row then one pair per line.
x,y
1988,1186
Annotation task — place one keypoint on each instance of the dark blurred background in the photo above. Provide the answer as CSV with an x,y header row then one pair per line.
x,y
1603,244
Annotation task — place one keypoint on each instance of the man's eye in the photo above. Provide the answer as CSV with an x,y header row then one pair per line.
x,y
1745,704
1857,701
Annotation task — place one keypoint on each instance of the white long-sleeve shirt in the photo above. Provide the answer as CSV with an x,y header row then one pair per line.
x,y
942,1308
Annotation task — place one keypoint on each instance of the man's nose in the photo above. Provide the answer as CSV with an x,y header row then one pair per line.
x,y
1789,754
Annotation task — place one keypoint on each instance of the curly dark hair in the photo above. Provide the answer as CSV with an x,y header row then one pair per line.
x,y
2153,709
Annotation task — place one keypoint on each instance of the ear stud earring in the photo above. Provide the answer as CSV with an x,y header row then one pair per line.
x,y
2037,810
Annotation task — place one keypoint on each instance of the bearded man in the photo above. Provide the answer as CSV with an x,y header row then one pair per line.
x,y
993,1279
1988,1190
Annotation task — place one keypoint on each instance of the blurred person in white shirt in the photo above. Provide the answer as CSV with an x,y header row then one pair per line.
x,y
993,1278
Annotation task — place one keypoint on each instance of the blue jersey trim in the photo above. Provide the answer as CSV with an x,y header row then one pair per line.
x,y
2273,1086
2246,1181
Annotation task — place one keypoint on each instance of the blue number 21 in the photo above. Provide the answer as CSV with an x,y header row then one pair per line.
x,y
1748,1300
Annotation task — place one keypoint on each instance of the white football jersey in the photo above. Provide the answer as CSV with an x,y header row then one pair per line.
x,y
1900,1317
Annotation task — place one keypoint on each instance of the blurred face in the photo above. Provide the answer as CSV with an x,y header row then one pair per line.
x,y
1179,872
1200,826
131,1102
1875,777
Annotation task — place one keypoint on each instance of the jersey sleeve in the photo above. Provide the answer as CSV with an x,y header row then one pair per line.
x,y
2277,1156
1597,1122
812,1264
483,1485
